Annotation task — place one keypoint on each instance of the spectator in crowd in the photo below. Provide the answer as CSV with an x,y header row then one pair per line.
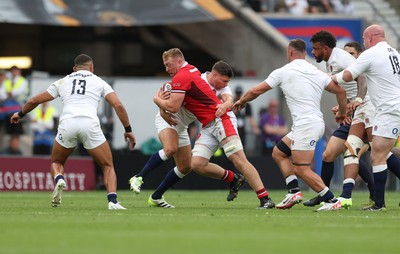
x,y
3,78
273,127
317,6
348,7
243,116
297,7
42,125
3,96
17,86
16,90
13,147
267,5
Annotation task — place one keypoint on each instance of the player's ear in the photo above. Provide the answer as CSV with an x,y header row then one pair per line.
x,y
91,67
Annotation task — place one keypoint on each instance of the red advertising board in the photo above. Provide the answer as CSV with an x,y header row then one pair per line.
x,y
33,174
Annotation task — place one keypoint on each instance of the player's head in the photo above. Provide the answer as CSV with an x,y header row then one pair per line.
x,y
372,35
322,44
173,60
354,48
220,75
296,49
83,62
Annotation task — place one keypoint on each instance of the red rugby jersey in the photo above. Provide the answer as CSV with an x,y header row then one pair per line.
x,y
199,98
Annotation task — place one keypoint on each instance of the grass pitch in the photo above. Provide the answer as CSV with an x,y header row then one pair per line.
x,y
203,222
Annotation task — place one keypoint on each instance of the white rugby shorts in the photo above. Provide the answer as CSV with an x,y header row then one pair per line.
x,y
386,124
305,137
211,135
84,129
364,114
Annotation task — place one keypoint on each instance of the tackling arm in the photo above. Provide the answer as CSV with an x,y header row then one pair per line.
x,y
228,102
251,94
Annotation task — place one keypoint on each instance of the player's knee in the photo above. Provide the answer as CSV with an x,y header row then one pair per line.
x,y
170,151
232,147
353,145
327,156
281,150
198,164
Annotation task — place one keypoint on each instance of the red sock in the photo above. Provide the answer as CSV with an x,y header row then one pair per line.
x,y
228,176
262,193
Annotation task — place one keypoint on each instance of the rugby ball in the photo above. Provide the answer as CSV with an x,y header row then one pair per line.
x,y
167,87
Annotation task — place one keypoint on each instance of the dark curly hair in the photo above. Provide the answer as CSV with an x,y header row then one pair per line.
x,y
324,38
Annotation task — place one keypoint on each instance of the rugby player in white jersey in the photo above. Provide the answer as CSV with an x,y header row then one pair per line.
x,y
324,49
80,93
303,85
380,63
361,127
210,139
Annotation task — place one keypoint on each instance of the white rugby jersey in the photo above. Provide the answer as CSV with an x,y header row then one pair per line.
x,y
303,85
381,67
220,92
337,62
80,93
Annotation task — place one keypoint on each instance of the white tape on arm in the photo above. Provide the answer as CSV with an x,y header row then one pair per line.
x,y
339,78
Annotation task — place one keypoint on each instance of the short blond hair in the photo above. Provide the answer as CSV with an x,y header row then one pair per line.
x,y
174,52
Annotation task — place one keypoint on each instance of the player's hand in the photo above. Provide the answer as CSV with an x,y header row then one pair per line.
x,y
335,109
221,109
168,117
239,105
164,95
352,106
15,118
342,118
129,136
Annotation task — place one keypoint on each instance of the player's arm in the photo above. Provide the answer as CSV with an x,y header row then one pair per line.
x,y
173,104
342,77
31,104
361,92
120,110
341,99
251,94
227,103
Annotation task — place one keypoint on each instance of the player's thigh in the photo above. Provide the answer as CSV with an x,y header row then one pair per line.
x,y
358,130
60,154
102,155
183,158
334,148
302,157
169,140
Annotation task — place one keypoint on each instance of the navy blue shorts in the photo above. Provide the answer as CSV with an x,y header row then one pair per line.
x,y
342,132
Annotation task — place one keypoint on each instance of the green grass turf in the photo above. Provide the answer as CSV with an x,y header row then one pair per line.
x,y
203,222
